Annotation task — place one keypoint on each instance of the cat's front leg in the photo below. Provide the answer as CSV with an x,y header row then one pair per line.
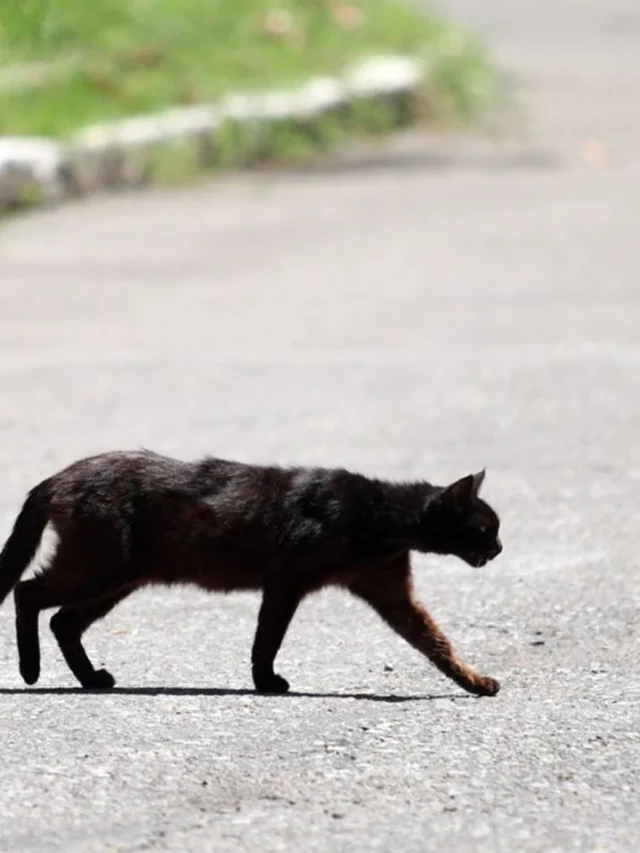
x,y
390,594
279,603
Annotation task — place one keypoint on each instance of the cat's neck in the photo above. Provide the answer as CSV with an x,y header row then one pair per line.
x,y
396,513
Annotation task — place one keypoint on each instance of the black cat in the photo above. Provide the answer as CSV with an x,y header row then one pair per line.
x,y
126,520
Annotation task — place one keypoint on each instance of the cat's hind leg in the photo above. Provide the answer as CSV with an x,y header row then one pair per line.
x,y
68,626
27,610
80,572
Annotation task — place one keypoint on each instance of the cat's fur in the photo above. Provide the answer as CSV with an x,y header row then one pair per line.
x,y
126,520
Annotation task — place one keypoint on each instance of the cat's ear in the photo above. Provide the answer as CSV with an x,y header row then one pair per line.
x,y
464,490
478,480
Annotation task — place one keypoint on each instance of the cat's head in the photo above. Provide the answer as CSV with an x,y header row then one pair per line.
x,y
462,524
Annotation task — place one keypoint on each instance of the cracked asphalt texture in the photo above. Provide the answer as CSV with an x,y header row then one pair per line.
x,y
402,320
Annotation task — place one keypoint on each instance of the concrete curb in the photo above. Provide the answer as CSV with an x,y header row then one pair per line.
x,y
116,154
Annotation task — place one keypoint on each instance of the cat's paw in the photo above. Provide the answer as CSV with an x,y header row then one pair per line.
x,y
272,683
30,672
485,686
99,680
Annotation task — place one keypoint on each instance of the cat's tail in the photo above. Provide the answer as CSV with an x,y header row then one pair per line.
x,y
23,541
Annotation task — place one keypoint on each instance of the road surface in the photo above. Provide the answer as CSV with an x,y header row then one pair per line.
x,y
405,321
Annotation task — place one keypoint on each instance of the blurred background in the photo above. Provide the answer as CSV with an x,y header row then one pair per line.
x,y
411,293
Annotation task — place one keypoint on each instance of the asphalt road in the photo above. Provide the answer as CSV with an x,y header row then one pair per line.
x,y
405,321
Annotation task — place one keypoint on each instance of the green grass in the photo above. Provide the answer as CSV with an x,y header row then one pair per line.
x,y
106,59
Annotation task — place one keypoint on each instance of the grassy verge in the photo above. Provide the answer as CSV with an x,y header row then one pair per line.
x,y
65,64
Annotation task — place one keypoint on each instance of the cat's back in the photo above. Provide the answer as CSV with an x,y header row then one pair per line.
x,y
152,481
123,474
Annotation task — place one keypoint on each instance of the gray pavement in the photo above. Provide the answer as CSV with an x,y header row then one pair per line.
x,y
404,321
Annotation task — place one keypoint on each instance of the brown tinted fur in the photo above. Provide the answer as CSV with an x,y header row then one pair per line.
x,y
127,520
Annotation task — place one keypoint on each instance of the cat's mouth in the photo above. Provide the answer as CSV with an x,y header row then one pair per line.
x,y
477,560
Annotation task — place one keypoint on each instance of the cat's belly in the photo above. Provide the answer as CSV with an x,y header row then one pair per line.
x,y
216,572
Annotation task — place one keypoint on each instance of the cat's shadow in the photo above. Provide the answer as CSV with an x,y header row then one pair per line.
x,y
223,692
